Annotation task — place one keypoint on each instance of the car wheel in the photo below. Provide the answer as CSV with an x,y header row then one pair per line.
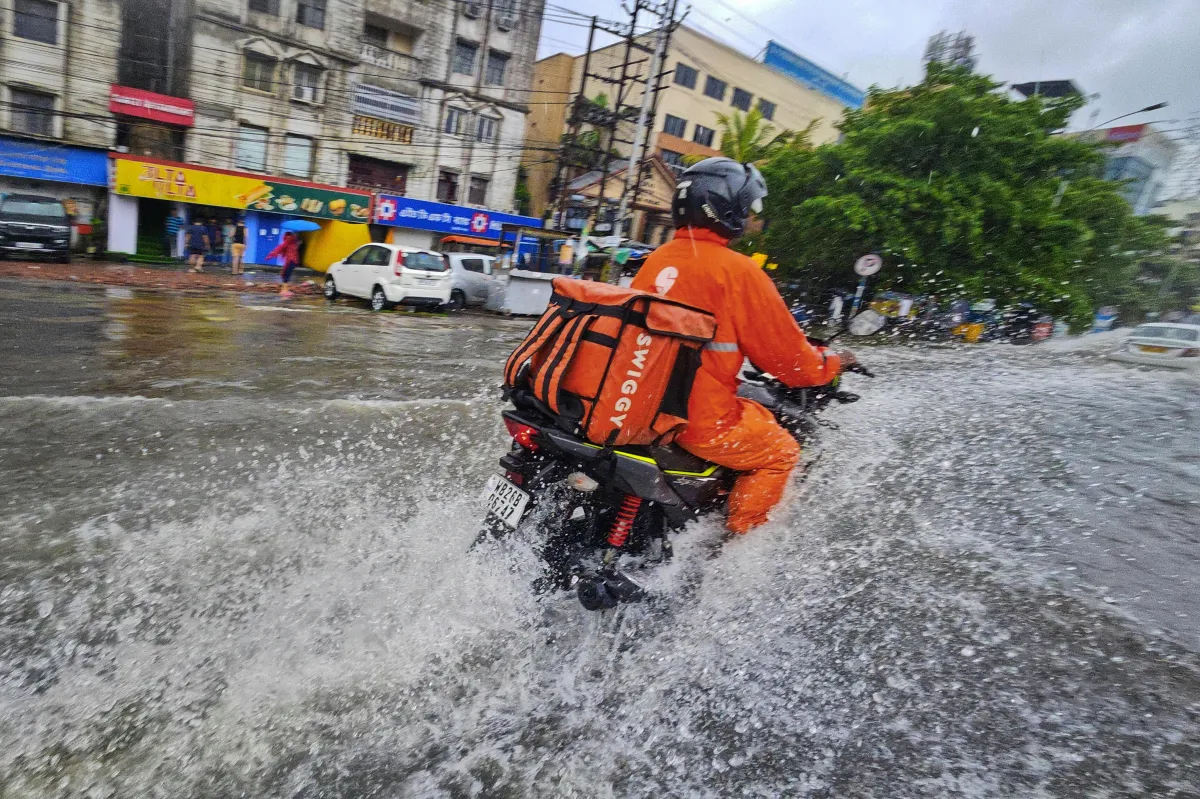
x,y
379,300
458,301
331,291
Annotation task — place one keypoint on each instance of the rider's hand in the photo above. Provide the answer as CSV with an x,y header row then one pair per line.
x,y
847,358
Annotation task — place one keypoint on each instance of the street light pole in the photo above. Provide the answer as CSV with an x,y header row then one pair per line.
x,y
1154,107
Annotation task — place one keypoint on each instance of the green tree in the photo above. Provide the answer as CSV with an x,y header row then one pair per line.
x,y
964,192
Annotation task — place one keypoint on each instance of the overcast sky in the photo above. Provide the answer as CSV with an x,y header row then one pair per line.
x,y
1131,52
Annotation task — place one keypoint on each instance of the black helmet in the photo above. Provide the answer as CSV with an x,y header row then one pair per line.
x,y
718,194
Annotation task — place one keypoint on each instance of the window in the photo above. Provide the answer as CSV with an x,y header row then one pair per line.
x,y
673,160
305,79
36,20
33,112
464,57
375,35
741,99
376,256
487,129
425,261
265,6
456,121
297,156
685,76
259,72
370,173
251,153
473,265
714,88
676,126
767,108
497,65
311,13
447,188
703,135
53,211
477,193
359,256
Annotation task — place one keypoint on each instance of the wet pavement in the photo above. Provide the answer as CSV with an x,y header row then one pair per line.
x,y
232,563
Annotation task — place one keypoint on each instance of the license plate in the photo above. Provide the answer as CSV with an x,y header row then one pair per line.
x,y
1148,348
505,500
30,245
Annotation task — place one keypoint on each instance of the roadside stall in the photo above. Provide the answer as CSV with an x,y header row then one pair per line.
x,y
146,190
523,281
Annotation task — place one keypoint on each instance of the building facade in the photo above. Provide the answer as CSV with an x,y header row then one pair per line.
x,y
411,98
705,78
1141,157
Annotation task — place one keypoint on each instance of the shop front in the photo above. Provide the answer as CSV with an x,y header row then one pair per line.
x,y
424,224
147,191
75,175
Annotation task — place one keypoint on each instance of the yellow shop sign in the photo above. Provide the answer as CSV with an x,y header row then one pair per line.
x,y
166,181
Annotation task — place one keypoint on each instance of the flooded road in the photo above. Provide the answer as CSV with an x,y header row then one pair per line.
x,y
232,563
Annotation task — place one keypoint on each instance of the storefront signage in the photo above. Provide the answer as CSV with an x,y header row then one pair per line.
x,y
168,181
149,105
27,159
1126,133
800,69
445,218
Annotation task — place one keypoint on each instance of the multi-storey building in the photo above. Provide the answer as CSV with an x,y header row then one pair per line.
x,y
315,104
705,78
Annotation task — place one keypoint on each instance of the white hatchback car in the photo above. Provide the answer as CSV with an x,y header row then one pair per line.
x,y
389,274
1161,344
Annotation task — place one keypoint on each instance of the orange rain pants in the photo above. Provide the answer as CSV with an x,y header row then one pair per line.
x,y
753,321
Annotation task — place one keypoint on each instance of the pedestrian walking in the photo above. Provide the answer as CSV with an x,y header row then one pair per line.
x,y
289,250
238,247
171,228
227,241
214,239
197,243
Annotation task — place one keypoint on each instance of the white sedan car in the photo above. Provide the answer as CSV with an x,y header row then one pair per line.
x,y
389,274
1161,344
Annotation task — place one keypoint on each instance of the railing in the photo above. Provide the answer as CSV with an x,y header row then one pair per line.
x,y
384,58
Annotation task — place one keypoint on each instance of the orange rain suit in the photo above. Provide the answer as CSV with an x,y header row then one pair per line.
x,y
753,321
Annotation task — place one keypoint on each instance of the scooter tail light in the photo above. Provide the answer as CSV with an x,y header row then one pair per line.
x,y
522,433
516,478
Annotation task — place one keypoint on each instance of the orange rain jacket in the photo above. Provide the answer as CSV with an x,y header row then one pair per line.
x,y
753,321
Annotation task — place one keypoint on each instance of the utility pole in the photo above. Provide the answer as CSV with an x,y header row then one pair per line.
x,y
649,100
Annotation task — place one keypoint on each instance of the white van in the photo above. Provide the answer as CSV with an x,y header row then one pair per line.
x,y
472,278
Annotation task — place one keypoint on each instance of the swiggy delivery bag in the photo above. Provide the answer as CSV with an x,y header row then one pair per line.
x,y
614,365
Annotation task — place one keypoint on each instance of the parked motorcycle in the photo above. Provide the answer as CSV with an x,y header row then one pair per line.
x,y
595,513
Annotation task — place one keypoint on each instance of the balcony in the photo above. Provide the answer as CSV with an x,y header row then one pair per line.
x,y
403,64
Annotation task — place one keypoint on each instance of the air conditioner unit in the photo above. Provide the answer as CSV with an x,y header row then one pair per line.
x,y
506,22
472,10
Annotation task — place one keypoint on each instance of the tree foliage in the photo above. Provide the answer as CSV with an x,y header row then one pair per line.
x,y
749,139
964,192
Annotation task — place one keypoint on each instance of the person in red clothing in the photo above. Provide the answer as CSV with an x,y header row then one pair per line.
x,y
289,250
712,202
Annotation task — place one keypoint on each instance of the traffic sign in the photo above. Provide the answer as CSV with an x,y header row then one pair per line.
x,y
868,265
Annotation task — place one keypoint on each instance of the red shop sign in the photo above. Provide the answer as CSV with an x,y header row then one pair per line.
x,y
149,105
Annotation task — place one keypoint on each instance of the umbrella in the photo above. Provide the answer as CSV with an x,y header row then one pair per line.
x,y
300,225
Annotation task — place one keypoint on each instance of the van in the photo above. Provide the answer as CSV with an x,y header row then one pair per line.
x,y
472,278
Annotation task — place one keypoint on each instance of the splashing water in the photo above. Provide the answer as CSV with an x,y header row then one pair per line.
x,y
267,593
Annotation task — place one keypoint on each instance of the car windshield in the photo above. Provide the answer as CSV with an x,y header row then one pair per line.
x,y
424,261
1176,333
25,206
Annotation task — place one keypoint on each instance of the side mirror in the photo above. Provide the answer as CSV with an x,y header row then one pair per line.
x,y
867,323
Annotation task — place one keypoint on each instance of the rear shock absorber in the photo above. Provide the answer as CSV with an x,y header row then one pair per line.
x,y
623,523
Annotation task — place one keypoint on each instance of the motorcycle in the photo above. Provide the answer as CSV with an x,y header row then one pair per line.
x,y
596,513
